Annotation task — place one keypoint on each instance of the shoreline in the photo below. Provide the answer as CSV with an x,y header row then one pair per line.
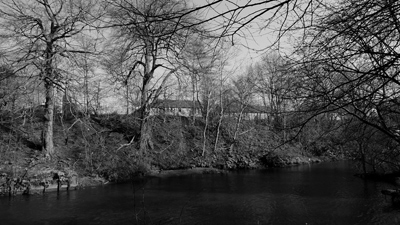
x,y
48,181
184,172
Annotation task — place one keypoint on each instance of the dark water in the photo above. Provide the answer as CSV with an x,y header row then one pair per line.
x,y
326,193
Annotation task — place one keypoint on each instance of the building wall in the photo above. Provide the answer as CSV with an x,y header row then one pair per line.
x,y
250,116
174,111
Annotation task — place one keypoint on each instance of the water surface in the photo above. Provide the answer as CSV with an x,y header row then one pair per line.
x,y
325,193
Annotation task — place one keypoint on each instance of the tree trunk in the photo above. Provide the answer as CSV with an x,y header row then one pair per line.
x,y
145,134
97,97
47,133
193,98
221,115
363,158
86,86
206,124
238,122
144,119
127,98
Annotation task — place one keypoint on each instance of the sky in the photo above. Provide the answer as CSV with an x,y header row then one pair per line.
x,y
253,40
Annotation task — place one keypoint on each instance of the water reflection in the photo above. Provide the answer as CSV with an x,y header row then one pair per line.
x,y
318,194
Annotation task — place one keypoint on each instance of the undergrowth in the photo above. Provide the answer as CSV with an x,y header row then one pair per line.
x,y
107,145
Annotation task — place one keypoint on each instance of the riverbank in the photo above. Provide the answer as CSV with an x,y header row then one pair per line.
x,y
40,180
184,172
43,180
102,149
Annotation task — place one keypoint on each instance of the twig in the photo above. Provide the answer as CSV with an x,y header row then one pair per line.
x,y
78,120
164,148
125,145
246,131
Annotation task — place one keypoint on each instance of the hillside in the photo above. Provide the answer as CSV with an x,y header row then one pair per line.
x,y
105,146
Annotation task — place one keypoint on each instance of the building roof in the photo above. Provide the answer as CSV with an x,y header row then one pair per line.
x,y
169,103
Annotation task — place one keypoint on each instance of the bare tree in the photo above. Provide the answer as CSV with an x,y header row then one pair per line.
x,y
118,65
153,34
271,79
243,90
229,19
198,61
350,59
37,34
222,89
352,62
85,64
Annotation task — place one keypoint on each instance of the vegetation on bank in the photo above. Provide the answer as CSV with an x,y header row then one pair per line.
x,y
103,148
106,146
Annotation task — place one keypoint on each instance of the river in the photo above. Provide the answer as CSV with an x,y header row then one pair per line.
x,y
325,193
